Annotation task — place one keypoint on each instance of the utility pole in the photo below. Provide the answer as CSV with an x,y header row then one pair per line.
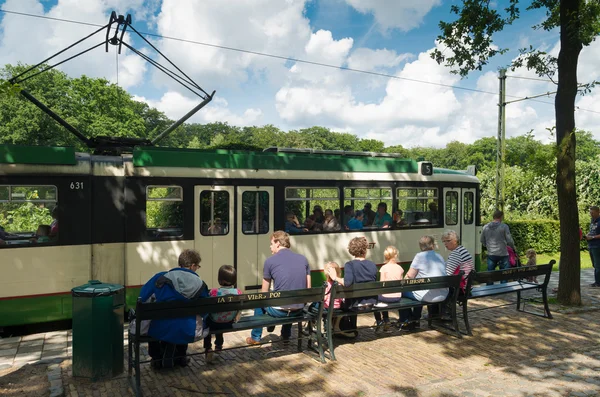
x,y
501,142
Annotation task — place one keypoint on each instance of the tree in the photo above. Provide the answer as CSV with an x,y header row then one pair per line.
x,y
470,39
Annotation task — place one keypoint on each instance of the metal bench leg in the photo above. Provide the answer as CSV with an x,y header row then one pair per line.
x,y
455,321
138,375
129,357
466,318
319,337
300,336
546,308
329,330
519,302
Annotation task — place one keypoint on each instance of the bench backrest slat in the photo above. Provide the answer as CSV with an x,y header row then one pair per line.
x,y
513,273
176,309
375,288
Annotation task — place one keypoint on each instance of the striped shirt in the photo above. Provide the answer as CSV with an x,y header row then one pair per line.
x,y
459,259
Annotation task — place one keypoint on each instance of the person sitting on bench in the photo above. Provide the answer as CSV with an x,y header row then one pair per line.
x,y
289,271
426,263
178,284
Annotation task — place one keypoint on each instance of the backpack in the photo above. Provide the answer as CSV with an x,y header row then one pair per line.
x,y
513,259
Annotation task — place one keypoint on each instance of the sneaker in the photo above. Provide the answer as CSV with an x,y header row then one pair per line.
x,y
381,304
270,328
252,342
218,348
208,355
379,326
387,327
182,361
404,326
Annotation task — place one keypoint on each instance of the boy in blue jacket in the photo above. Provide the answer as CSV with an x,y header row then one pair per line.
x,y
178,284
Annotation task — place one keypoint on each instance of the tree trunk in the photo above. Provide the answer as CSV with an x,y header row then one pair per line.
x,y
569,290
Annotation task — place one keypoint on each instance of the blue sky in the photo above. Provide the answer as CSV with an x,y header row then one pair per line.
x,y
382,36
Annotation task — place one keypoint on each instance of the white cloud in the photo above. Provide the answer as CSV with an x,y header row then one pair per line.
x,y
175,105
403,15
406,105
368,59
268,26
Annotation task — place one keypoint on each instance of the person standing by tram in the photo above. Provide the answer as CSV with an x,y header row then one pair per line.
x,y
593,240
288,271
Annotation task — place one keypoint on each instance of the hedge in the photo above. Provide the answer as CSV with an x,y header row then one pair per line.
x,y
541,235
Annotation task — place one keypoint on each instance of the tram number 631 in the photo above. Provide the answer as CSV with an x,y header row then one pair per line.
x,y
76,185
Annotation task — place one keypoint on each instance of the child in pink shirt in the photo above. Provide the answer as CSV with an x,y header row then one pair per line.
x,y
338,302
390,271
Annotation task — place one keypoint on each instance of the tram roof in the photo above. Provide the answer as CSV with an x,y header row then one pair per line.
x,y
231,159
21,154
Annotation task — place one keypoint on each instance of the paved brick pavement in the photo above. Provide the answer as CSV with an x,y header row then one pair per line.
x,y
509,355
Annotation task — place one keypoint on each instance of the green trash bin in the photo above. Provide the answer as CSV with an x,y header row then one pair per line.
x,y
98,311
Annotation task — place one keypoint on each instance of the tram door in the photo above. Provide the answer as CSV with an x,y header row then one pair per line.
x,y
469,237
214,229
452,210
254,217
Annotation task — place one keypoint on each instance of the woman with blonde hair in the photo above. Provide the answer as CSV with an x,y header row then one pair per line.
x,y
390,271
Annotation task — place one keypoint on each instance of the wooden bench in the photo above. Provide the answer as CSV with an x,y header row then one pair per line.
x,y
515,282
164,310
376,288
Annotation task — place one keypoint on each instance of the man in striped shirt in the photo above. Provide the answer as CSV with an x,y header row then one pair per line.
x,y
459,258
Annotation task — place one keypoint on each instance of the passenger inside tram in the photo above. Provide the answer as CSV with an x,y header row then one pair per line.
x,y
314,222
215,227
382,220
292,225
42,235
398,221
331,223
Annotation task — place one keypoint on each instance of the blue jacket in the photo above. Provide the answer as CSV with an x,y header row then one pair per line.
x,y
177,284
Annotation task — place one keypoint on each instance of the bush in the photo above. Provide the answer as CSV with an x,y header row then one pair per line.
x,y
541,235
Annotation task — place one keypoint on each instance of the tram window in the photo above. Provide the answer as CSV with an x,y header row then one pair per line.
x,y
419,206
164,211
28,215
308,206
469,210
370,199
214,213
255,212
451,208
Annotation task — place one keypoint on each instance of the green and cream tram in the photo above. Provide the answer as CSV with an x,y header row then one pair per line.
x,y
121,219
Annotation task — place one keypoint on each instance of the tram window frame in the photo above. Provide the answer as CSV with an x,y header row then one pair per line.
x,y
374,199
451,208
468,208
265,207
309,202
169,232
422,198
21,237
223,220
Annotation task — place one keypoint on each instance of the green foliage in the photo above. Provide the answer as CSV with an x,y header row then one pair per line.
x,y
23,217
541,235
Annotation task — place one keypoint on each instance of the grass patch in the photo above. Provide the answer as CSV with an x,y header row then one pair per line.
x,y
586,262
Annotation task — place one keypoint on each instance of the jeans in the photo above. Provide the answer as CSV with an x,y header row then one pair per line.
x,y
286,329
500,261
412,314
595,256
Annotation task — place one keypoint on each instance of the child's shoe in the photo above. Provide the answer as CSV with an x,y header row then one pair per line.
x,y
208,355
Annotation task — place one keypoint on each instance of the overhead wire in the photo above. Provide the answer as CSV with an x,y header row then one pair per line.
x,y
298,60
